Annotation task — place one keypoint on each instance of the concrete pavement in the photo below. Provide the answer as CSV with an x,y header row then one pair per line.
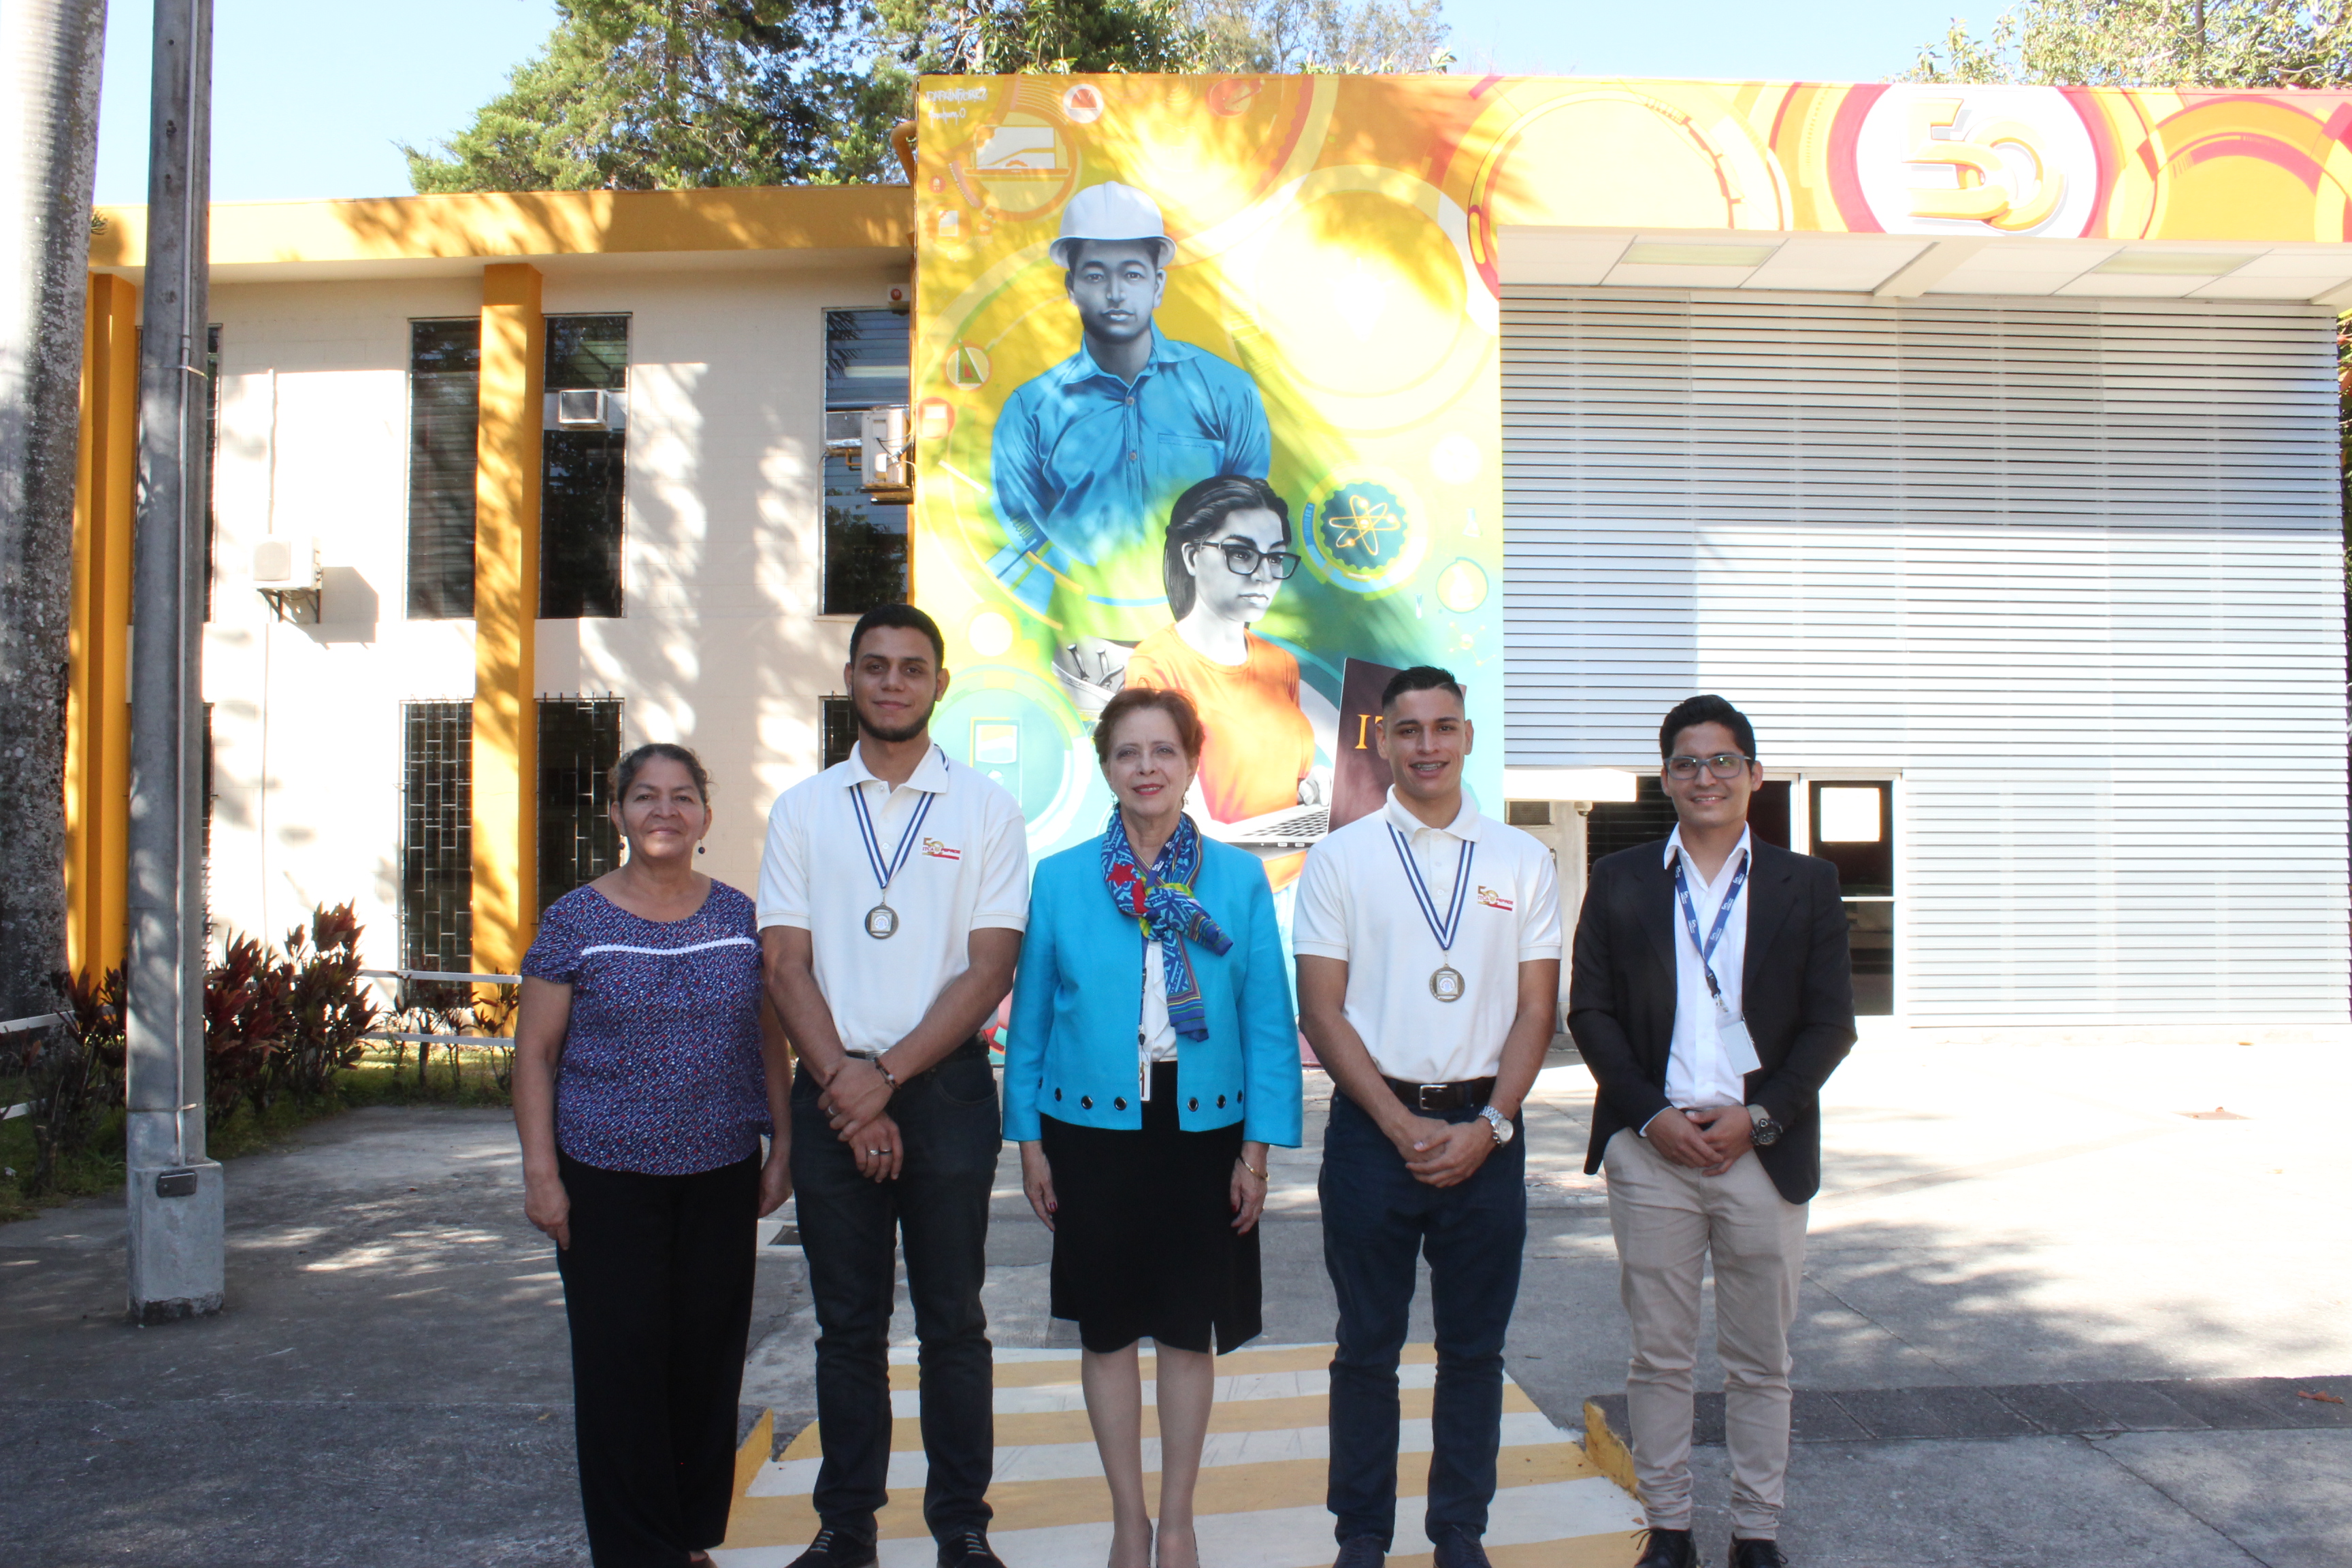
x,y
391,1386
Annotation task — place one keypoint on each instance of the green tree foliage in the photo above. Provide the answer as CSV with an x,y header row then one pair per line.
x,y
666,94
2151,42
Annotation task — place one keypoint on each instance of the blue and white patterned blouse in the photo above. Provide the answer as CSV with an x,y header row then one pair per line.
x,y
661,1067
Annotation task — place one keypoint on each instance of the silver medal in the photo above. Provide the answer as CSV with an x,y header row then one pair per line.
x,y
881,922
1446,985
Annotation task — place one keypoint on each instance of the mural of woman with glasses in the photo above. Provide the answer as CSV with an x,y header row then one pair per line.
x,y
1227,555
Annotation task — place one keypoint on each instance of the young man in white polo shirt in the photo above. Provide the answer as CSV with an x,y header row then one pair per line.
x,y
1428,941
892,899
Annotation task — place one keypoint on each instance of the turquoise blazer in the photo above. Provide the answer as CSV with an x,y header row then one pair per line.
x,y
1071,1051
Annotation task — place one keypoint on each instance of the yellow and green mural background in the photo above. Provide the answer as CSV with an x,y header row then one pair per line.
x,y
1335,240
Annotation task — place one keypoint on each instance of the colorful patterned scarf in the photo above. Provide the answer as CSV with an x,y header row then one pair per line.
x,y
1162,902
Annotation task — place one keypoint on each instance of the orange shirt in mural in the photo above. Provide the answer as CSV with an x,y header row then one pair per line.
x,y
1259,744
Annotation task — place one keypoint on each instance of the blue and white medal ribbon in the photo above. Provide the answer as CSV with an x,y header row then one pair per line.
x,y
1445,983
882,921
1706,950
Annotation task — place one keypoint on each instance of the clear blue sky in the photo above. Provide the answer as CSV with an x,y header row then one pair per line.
x,y
310,99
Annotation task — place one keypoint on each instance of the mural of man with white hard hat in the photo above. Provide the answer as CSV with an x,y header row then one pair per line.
x,y
1087,456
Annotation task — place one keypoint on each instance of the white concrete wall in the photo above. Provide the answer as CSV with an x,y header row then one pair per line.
x,y
720,648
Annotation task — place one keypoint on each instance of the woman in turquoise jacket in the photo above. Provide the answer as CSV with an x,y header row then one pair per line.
x,y
1153,1057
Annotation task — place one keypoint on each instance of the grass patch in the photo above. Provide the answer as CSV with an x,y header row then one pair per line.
x,y
98,1171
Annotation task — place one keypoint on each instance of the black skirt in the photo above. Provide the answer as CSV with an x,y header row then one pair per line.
x,y
1143,1232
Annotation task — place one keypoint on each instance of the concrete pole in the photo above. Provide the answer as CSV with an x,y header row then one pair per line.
x,y
176,1199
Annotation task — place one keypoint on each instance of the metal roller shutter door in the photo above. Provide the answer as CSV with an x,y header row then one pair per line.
x,y
2071,567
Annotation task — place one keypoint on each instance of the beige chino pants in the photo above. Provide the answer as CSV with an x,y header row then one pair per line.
x,y
1667,1218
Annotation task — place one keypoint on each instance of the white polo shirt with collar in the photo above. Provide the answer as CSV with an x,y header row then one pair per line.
x,y
966,867
1356,902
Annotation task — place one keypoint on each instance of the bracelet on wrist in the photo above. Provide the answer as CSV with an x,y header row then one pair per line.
x,y
1245,1165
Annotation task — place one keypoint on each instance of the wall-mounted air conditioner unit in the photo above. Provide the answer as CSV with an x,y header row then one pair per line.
x,y
887,454
286,571
585,408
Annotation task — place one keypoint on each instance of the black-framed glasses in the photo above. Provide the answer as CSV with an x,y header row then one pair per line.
x,y
1722,765
1241,559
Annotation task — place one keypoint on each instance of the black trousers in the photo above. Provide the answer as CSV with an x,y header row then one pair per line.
x,y
657,1285
850,1228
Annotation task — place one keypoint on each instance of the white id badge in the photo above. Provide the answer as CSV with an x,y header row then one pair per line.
x,y
1737,1049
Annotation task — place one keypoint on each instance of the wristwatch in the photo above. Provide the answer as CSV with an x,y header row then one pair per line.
x,y
1504,1131
1762,1131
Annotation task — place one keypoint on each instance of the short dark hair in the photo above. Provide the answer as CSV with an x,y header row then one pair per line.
x,y
1421,677
1135,699
903,616
626,771
1198,515
1708,710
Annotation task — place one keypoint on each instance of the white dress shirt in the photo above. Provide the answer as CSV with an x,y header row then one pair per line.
x,y
968,869
1356,904
1700,1066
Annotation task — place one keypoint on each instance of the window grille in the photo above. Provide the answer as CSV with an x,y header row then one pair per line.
x,y
436,835
579,742
838,722
583,474
445,377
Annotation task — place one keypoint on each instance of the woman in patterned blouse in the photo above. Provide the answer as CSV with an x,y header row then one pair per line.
x,y
645,1072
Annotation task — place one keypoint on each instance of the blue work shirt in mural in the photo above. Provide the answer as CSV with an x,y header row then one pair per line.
x,y
1085,464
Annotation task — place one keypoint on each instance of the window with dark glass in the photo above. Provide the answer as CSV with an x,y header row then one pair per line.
x,y
866,366
444,383
579,742
584,467
1853,829
1614,824
436,835
838,722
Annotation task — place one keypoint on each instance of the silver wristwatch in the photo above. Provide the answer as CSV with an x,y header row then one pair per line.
x,y
1504,1131
1762,1131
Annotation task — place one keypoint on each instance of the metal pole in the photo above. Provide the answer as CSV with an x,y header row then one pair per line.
x,y
174,1197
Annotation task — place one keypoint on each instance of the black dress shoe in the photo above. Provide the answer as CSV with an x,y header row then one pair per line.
x,y
1668,1549
1757,1554
835,1549
1363,1551
968,1550
1459,1549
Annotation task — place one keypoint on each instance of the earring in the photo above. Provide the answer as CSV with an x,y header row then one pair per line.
x,y
701,849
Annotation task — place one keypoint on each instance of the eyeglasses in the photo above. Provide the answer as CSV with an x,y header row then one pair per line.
x,y
1722,765
1241,559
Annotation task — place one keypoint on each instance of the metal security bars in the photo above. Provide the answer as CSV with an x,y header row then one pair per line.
x,y
579,742
584,467
444,386
437,835
838,722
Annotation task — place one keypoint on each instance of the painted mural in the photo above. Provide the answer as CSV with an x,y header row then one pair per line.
x,y
1207,389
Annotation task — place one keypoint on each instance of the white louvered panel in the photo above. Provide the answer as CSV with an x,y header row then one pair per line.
x,y
2072,569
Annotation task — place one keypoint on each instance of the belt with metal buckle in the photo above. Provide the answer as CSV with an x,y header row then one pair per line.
x,y
1468,1095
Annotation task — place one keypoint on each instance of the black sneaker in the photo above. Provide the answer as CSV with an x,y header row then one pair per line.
x,y
1459,1549
1755,1553
1363,1551
835,1549
968,1550
1668,1549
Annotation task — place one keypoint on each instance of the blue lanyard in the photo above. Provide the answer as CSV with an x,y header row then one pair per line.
x,y
1706,950
1443,931
885,871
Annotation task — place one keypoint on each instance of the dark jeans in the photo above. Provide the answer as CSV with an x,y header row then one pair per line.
x,y
849,1226
658,1285
1377,1220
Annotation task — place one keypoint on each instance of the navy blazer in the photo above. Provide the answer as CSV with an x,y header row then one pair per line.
x,y
1796,991
1070,1052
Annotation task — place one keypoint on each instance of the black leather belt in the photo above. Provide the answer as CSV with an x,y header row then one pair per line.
x,y
1468,1095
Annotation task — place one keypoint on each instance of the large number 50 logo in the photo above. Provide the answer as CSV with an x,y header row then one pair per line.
x,y
1980,161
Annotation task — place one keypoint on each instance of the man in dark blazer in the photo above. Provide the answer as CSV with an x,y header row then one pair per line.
x,y
1711,995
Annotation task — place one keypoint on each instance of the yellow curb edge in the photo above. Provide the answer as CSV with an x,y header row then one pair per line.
x,y
1607,1450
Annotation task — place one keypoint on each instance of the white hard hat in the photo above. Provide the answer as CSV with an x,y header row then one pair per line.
x,y
1111,211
